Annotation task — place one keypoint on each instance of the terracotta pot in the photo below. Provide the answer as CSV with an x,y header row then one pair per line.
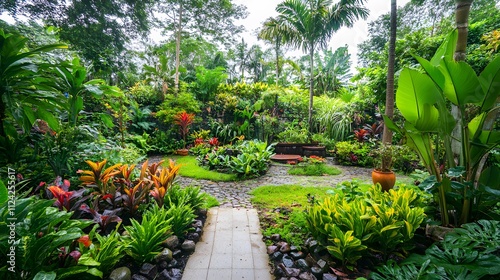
x,y
386,179
182,152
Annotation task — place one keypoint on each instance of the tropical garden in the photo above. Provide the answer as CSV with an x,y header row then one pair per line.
x,y
88,99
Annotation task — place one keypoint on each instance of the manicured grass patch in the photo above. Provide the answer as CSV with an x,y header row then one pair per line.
x,y
210,201
191,169
285,195
314,170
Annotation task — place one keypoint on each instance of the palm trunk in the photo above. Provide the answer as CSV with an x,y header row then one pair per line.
x,y
277,62
389,95
178,51
311,87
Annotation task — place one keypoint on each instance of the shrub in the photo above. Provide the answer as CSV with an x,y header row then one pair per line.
x,y
145,238
470,252
191,196
353,153
375,221
173,105
144,94
180,218
293,133
252,159
43,240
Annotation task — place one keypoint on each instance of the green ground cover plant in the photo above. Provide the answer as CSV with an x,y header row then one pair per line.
x,y
285,196
190,168
468,252
314,170
313,166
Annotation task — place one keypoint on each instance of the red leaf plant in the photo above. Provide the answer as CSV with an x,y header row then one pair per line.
x,y
361,135
184,120
214,142
60,191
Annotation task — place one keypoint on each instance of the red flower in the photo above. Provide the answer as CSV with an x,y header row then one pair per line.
x,y
85,240
291,162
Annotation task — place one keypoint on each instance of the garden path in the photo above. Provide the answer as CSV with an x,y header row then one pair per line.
x,y
232,246
236,194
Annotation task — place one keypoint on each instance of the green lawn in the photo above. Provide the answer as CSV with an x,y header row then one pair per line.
x,y
191,169
314,170
285,195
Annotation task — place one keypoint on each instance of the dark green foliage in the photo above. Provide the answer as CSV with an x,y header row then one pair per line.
x,y
207,81
145,238
191,196
180,217
23,86
251,160
41,230
470,252
108,250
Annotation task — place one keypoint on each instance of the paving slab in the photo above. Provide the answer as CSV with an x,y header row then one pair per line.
x,y
231,247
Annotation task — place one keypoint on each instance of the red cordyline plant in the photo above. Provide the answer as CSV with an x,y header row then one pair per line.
x,y
60,191
361,135
184,120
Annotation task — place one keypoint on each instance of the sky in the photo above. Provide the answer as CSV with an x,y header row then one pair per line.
x,y
260,10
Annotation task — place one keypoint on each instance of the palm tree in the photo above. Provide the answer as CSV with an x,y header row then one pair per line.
x,y
389,94
309,25
271,34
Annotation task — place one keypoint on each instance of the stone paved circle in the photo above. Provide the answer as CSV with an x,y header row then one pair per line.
x,y
236,194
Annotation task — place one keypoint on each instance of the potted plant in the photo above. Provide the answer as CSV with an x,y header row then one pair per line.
x,y
183,120
383,173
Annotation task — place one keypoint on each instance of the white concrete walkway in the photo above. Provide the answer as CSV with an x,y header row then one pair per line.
x,y
231,248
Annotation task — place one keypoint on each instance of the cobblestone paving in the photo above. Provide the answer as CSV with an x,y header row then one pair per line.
x,y
235,194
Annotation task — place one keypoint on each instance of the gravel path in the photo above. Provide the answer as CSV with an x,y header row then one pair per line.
x,y
235,194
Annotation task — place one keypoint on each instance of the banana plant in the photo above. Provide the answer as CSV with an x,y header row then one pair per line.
x,y
422,99
72,83
25,93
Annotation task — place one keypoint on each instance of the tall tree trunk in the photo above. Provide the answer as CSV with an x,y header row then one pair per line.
x,y
462,23
311,87
178,51
277,62
389,95
462,10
